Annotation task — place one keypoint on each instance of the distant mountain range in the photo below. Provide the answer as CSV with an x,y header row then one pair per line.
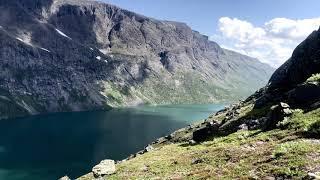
x,y
74,55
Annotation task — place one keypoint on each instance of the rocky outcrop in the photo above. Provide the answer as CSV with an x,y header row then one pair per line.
x,y
105,167
277,114
289,82
305,62
74,55
209,129
304,94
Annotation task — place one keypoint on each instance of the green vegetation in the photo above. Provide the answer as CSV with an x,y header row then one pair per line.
x,y
181,88
301,121
294,156
282,153
114,94
246,154
314,78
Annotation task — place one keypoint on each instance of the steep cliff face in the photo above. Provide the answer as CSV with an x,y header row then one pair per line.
x,y
297,80
72,55
304,62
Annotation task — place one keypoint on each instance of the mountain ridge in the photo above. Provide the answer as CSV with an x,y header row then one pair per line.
x,y
67,55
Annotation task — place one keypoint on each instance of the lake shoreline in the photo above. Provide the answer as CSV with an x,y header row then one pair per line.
x,y
46,141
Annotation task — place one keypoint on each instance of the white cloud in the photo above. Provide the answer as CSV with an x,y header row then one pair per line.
x,y
272,42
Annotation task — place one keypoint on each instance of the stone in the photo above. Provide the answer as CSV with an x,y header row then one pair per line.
x,y
145,168
284,105
269,178
257,123
287,112
243,127
197,161
65,178
156,178
189,127
204,132
168,137
148,148
192,142
238,111
314,176
105,167
176,177
277,114
259,143
304,94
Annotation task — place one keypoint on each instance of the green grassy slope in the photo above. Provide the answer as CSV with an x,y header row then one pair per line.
x,y
291,150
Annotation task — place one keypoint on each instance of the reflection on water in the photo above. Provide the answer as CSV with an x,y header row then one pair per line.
x,y
50,146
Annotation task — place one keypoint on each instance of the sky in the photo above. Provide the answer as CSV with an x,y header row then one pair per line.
x,y
266,29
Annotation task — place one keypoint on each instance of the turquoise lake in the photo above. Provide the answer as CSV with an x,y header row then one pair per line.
x,y
50,146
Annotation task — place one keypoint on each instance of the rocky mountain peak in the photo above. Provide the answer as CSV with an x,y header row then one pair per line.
x,y
73,55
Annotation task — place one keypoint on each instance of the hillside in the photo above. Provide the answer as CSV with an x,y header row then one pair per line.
x,y
75,55
273,134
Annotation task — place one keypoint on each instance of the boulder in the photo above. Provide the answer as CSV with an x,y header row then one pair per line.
x,y
305,94
65,178
105,167
257,123
284,105
243,127
148,148
204,132
192,142
305,61
196,161
313,176
144,168
277,114
169,137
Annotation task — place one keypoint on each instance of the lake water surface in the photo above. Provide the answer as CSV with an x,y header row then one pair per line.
x,y
51,146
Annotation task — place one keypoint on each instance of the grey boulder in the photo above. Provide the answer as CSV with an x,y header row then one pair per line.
x,y
105,167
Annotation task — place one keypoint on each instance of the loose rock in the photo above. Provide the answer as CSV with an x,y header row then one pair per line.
x,y
105,167
65,178
196,161
192,142
243,127
204,132
145,168
277,114
148,148
313,176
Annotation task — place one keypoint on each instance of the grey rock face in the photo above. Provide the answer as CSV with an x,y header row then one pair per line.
x,y
288,83
105,167
277,113
304,62
74,55
305,94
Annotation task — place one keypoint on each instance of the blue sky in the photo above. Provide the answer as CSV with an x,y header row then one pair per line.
x,y
206,16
